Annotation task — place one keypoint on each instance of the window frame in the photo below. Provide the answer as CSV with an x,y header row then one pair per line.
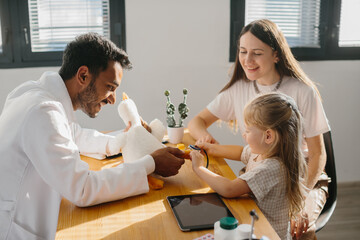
x,y
7,54
16,53
329,34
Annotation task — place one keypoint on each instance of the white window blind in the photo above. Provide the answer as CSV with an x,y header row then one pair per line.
x,y
297,19
349,35
54,23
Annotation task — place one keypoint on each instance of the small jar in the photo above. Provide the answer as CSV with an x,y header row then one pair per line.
x,y
243,232
225,229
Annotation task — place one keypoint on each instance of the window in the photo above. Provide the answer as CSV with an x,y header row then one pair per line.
x,y
5,44
40,29
349,36
1,48
314,29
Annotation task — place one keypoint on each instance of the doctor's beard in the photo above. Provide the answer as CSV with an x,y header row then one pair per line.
x,y
88,100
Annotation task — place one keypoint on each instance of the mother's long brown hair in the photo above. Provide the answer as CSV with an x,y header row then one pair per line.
x,y
268,32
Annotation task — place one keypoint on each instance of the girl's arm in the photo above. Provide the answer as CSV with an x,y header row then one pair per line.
x,y
224,151
199,124
225,187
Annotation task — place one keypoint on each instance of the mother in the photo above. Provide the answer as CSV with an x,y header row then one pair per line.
x,y
264,63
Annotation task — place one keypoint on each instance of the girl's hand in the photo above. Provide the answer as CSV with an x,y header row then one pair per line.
x,y
207,139
197,159
208,147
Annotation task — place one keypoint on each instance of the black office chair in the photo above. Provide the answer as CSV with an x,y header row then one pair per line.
x,y
331,172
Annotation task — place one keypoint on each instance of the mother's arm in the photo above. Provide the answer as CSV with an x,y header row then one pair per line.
x,y
316,163
199,124
317,159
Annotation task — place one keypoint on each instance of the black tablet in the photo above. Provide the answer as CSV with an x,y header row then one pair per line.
x,y
198,211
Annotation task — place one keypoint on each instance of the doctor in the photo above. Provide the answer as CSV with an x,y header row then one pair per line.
x,y
41,141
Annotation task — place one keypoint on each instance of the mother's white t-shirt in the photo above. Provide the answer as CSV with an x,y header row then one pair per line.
x,y
229,104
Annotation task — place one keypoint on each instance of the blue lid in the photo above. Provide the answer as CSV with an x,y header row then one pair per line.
x,y
228,223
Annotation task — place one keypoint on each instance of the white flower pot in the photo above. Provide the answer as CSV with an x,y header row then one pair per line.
x,y
175,134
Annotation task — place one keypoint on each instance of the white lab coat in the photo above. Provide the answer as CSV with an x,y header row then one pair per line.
x,y
40,161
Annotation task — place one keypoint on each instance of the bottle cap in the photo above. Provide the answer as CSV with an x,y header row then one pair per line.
x,y
228,223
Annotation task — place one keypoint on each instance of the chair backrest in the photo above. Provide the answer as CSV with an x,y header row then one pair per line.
x,y
330,169
332,188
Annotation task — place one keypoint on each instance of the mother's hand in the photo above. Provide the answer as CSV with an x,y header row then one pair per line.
x,y
207,138
299,225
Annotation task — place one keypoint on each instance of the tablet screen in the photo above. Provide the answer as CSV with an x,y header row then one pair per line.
x,y
198,211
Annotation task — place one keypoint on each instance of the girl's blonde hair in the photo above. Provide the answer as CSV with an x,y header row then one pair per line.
x,y
279,112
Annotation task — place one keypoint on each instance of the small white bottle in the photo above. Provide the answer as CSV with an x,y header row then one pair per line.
x,y
225,229
243,232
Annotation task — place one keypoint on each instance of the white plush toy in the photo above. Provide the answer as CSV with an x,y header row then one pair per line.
x,y
137,141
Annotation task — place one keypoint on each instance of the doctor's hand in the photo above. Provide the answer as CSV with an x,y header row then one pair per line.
x,y
145,125
128,127
168,161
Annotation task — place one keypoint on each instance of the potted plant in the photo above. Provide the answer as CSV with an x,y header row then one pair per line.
x,y
176,130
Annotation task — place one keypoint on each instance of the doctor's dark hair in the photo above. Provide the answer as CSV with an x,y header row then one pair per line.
x,y
94,51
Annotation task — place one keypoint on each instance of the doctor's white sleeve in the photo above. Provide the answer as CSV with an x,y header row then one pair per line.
x,y
90,141
48,143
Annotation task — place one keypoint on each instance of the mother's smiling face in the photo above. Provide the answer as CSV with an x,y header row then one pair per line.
x,y
257,59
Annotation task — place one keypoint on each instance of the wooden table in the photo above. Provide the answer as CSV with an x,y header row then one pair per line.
x,y
149,216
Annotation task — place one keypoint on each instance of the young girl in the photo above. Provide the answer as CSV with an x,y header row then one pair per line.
x,y
275,166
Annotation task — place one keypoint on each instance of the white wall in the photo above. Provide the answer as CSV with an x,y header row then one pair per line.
x,y
177,44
